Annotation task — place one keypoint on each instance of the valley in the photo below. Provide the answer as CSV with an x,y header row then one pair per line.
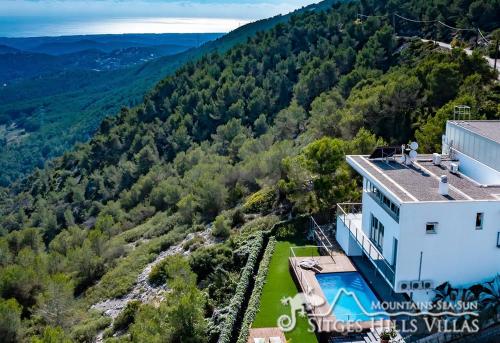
x,y
74,102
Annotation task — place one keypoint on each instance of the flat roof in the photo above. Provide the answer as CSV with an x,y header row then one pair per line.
x,y
420,181
485,128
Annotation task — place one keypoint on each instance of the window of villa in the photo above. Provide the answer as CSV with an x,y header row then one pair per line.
x,y
388,205
479,221
498,239
430,227
377,232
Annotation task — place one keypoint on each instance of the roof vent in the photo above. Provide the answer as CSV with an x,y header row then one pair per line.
x,y
443,185
454,168
436,159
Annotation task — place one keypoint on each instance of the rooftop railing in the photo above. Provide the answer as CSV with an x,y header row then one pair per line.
x,y
350,213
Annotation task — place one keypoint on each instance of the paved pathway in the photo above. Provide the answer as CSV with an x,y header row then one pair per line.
x,y
491,61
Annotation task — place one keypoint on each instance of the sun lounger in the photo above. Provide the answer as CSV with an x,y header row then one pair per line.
x,y
259,340
275,340
309,264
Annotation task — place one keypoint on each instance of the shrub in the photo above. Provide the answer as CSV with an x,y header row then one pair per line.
x,y
259,224
10,325
87,331
261,201
286,231
254,302
52,334
205,260
222,228
237,218
158,275
238,299
194,243
127,316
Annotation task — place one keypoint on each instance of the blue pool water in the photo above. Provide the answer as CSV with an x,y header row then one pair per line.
x,y
346,308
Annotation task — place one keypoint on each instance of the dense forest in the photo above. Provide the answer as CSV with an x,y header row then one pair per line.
x,y
230,143
47,115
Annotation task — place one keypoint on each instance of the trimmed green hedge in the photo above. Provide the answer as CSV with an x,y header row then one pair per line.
x,y
242,289
238,300
254,303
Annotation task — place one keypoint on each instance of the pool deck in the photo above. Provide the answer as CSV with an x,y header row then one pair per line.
x,y
322,314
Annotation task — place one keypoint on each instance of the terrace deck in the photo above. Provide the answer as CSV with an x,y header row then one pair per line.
x,y
325,320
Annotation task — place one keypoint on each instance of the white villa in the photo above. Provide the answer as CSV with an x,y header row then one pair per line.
x,y
429,219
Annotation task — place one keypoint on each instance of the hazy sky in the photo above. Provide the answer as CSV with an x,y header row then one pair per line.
x,y
60,17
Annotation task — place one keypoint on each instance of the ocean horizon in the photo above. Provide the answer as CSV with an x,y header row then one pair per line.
x,y
12,27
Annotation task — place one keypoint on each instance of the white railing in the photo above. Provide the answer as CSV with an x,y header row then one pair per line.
x,y
306,287
322,238
347,213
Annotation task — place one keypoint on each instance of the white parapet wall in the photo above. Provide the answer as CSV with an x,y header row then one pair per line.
x,y
476,170
346,242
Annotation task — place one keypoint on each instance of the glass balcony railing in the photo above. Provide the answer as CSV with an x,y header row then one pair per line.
x,y
350,214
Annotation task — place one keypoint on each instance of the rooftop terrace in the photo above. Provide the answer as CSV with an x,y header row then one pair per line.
x,y
420,181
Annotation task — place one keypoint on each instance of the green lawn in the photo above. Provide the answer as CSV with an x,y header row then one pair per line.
x,y
280,284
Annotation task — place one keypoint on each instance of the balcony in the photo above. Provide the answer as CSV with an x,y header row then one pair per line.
x,y
351,216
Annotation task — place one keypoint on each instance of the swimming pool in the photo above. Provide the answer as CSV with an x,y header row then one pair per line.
x,y
346,308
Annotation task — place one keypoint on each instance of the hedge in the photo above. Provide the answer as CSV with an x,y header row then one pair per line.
x,y
238,300
254,303
242,289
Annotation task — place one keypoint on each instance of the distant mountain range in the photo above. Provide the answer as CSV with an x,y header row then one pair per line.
x,y
22,58
105,43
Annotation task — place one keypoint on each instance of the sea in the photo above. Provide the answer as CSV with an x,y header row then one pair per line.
x,y
49,26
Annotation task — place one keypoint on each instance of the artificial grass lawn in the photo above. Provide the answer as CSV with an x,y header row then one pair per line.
x,y
279,284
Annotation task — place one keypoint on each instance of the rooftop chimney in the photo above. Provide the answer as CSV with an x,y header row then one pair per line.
x,y
443,185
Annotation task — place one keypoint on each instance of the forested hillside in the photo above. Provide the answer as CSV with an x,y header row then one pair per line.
x,y
229,144
47,115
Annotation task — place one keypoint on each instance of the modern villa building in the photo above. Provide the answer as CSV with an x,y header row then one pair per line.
x,y
429,219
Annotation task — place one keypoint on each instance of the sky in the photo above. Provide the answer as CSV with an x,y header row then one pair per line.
x,y
24,18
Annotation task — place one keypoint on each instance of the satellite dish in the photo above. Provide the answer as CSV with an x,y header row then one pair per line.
x,y
413,154
413,145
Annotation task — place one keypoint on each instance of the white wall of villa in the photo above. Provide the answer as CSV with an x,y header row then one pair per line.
x,y
349,245
477,146
458,252
403,201
479,156
476,170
